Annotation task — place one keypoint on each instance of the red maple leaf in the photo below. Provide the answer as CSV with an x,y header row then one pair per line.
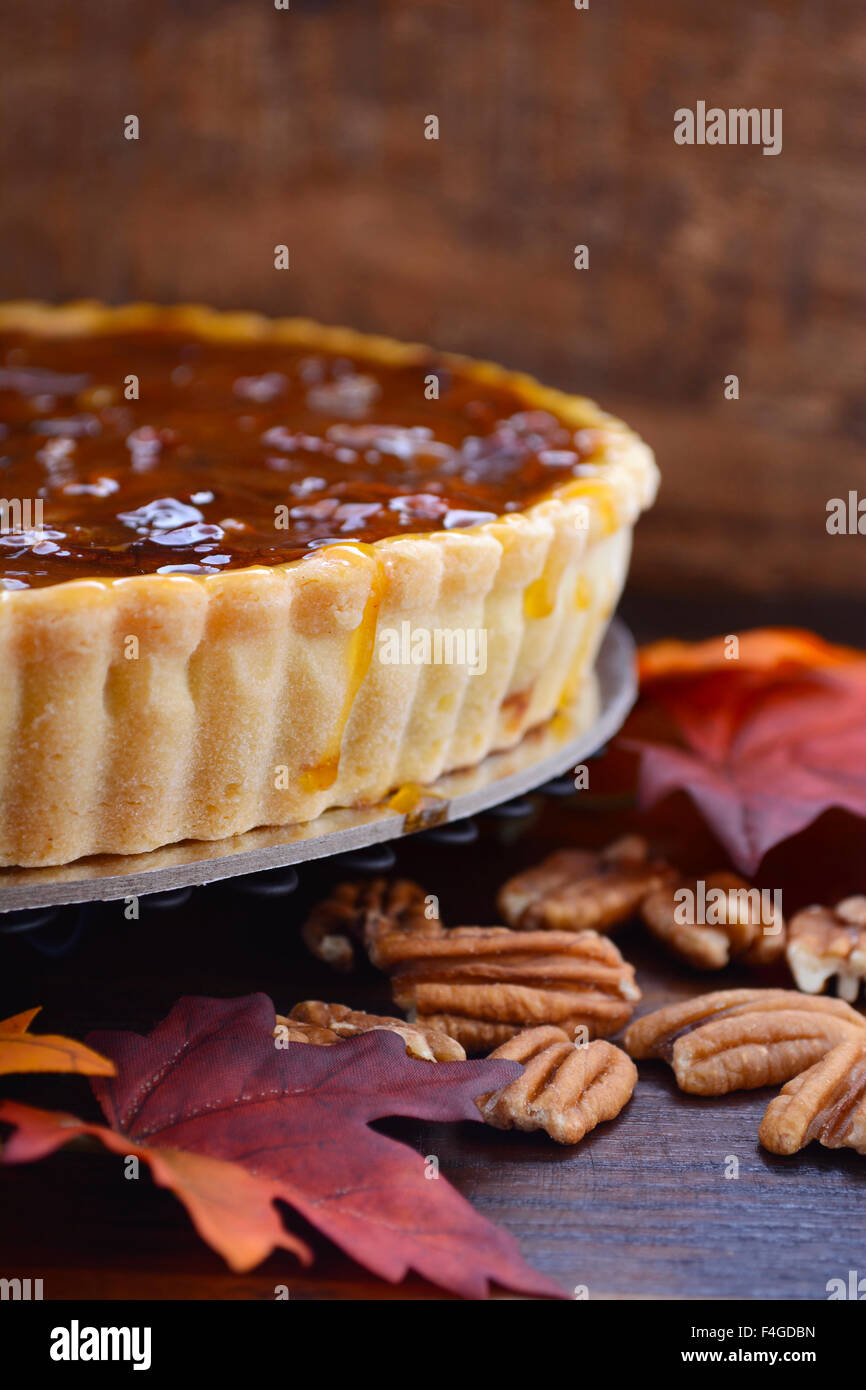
x,y
229,1121
763,743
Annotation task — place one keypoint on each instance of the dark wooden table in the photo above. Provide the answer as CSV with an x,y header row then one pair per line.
x,y
643,1208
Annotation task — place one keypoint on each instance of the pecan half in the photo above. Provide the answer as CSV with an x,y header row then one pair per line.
x,y
354,911
566,1090
315,1022
737,1039
736,929
829,941
577,889
484,984
827,1103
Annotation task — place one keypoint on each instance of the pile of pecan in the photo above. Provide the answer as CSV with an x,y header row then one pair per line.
x,y
480,985
544,997
740,1039
550,987
576,889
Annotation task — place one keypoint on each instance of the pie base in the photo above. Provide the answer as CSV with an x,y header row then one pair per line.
x,y
260,696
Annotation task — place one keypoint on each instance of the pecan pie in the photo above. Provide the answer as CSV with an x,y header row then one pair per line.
x,y
255,569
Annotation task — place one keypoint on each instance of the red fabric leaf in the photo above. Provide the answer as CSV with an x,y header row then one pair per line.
x,y
230,1208
210,1081
763,744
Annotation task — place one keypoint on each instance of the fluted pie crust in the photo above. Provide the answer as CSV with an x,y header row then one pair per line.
x,y
257,697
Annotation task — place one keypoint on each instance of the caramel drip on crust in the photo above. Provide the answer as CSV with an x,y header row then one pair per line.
x,y
360,649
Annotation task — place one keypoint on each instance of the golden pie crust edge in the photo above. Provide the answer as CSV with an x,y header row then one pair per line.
x,y
257,697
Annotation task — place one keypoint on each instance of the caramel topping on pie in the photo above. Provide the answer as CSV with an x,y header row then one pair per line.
x,y
248,453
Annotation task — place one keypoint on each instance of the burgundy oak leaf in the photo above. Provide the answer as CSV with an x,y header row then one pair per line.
x,y
211,1083
764,743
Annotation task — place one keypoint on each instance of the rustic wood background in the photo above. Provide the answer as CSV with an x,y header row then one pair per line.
x,y
306,127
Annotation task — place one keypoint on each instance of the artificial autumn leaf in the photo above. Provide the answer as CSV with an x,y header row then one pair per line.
x,y
764,743
209,1086
230,1208
23,1051
762,649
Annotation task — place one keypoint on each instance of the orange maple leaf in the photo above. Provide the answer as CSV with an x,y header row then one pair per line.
x,y
23,1051
761,649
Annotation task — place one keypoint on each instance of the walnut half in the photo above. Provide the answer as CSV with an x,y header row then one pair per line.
x,y
346,919
824,942
565,1090
323,1024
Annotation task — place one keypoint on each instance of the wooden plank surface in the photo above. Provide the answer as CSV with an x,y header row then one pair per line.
x,y
641,1209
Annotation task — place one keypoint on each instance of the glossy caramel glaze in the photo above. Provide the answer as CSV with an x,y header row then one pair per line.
x,y
238,454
